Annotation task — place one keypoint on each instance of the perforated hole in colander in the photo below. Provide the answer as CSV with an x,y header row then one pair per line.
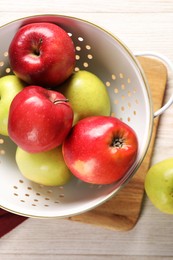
x,y
37,194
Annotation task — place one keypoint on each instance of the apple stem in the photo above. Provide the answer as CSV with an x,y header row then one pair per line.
x,y
60,101
36,48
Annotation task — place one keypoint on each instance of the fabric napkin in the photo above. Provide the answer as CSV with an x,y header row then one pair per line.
x,y
8,221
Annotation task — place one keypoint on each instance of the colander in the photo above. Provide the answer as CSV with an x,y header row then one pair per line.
x,y
106,56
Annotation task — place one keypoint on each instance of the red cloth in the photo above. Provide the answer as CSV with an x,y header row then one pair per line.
x,y
8,221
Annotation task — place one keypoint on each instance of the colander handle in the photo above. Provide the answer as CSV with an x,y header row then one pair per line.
x,y
170,66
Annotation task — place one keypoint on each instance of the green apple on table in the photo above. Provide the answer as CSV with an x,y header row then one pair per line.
x,y
10,85
159,185
46,168
87,94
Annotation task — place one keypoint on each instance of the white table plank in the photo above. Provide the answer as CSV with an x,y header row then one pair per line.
x,y
109,6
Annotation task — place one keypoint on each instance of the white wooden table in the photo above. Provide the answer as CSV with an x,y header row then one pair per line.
x,y
143,26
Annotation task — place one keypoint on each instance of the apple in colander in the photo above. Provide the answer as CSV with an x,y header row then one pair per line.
x,y
87,94
100,149
42,54
46,168
39,119
10,86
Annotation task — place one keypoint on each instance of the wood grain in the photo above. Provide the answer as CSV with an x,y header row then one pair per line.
x,y
123,210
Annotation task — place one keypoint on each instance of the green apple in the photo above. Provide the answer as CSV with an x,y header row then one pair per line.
x,y
10,85
47,168
87,95
159,185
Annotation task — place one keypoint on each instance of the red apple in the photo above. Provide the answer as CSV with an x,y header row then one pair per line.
x,y
39,119
42,54
100,149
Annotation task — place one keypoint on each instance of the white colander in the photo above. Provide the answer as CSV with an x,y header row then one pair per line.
x,y
106,56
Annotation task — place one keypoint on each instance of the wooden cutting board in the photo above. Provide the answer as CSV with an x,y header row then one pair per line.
x,y
122,212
